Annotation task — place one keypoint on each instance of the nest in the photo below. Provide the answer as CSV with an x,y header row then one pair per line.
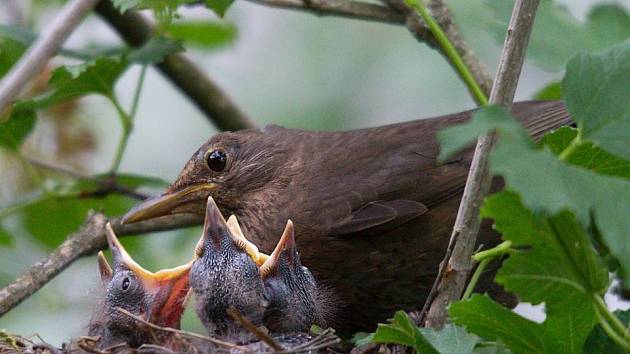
x,y
179,341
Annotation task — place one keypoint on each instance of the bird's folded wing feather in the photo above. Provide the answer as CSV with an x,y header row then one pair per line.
x,y
377,179
378,216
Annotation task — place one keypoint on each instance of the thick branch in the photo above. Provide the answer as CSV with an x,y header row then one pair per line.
x,y
181,71
46,45
458,263
89,239
343,8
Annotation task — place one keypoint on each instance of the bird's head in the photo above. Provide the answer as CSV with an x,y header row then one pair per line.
x,y
225,273
227,167
295,301
158,297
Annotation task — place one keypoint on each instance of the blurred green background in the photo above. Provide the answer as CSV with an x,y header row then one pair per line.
x,y
284,67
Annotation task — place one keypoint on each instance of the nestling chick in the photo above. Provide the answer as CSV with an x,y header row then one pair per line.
x,y
158,298
223,276
295,301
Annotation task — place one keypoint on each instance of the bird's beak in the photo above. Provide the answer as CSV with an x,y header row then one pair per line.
x,y
170,202
286,245
215,229
103,267
218,232
235,230
168,287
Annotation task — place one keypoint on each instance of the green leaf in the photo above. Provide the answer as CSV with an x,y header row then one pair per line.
x,y
451,339
361,338
599,343
164,10
16,128
137,181
403,331
549,185
557,35
6,239
154,50
558,267
493,348
484,317
10,52
26,37
218,6
597,96
586,154
124,5
484,121
51,220
72,81
552,91
204,34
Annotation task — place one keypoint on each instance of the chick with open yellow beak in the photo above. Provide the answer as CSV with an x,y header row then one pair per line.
x,y
158,297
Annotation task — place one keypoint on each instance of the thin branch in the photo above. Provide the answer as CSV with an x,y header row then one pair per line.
x,y
248,325
46,45
450,52
220,109
107,185
458,263
183,333
324,340
89,239
342,8
440,12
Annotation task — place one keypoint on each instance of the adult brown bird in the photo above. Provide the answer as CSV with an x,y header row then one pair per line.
x,y
372,207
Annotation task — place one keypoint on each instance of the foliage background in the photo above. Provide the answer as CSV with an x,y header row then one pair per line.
x,y
287,68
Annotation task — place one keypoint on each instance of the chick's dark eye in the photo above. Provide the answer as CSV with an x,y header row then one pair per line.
x,y
125,284
216,160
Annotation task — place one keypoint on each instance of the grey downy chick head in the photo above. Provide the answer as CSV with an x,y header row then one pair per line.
x,y
158,298
224,275
295,300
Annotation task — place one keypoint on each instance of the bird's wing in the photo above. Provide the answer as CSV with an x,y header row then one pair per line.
x,y
378,216
372,181
368,181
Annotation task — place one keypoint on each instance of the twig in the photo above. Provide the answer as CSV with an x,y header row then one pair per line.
x,y
89,239
342,8
180,70
324,340
183,333
237,316
452,55
458,262
442,15
46,45
107,185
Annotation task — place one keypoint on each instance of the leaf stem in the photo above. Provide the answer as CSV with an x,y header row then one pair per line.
x,y
484,257
450,52
475,278
603,315
126,120
136,95
616,324
126,123
492,253
570,149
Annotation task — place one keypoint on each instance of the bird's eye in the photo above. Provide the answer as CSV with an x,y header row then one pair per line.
x,y
125,284
216,160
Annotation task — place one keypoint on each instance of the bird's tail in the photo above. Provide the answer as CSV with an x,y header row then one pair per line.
x,y
539,117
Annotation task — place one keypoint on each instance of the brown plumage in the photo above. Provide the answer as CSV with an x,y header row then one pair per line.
x,y
373,209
